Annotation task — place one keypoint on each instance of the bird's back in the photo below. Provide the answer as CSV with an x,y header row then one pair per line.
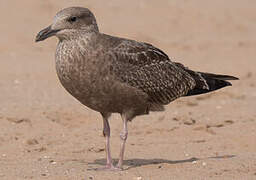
x,y
149,69
112,74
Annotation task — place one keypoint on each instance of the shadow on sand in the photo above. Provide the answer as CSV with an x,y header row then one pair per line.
x,y
133,163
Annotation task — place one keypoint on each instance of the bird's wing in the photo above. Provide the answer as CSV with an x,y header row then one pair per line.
x,y
149,69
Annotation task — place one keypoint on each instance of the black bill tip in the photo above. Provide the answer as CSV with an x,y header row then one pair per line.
x,y
45,33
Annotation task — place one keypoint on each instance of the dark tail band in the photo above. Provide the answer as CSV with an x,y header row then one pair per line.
x,y
207,82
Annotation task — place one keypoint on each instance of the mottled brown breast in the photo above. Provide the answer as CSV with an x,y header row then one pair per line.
x,y
86,72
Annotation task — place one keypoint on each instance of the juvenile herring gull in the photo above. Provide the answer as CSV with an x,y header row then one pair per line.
x,y
116,75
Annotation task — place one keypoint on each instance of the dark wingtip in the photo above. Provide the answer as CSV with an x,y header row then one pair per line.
x,y
234,78
228,83
225,77
36,40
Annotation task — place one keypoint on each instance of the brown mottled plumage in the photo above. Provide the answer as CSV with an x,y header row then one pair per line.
x,y
115,75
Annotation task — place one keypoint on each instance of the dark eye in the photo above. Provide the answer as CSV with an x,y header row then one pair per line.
x,y
72,19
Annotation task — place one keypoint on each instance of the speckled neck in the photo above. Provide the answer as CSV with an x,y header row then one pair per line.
x,y
75,36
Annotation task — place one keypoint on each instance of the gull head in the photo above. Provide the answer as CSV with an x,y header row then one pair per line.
x,y
69,23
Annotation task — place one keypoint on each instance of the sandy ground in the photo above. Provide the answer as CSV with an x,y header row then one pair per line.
x,y
47,134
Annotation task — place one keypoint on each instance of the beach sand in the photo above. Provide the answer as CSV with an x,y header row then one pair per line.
x,y
46,134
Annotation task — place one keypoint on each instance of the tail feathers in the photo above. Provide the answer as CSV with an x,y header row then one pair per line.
x,y
207,82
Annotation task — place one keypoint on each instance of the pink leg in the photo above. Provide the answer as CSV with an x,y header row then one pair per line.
x,y
123,137
106,133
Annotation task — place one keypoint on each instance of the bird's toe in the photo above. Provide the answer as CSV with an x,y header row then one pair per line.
x,y
109,168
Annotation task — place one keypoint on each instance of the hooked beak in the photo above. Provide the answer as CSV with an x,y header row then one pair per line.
x,y
45,33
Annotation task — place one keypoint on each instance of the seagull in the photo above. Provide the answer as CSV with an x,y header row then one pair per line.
x,y
116,75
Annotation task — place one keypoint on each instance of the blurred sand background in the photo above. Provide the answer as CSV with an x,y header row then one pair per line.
x,y
47,134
